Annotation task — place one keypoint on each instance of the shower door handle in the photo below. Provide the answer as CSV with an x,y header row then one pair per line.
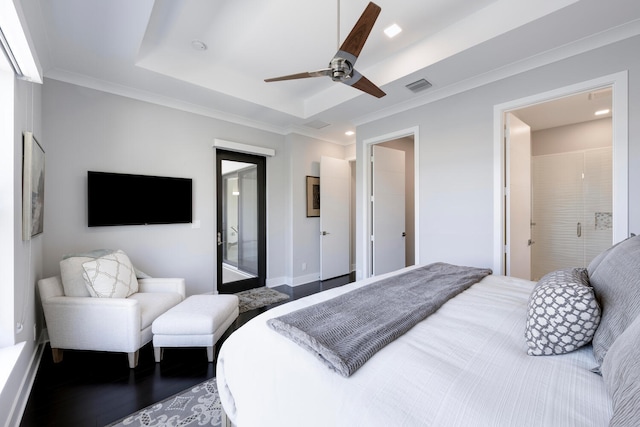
x,y
579,230
220,242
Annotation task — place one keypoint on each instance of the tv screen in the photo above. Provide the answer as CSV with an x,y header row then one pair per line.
x,y
124,199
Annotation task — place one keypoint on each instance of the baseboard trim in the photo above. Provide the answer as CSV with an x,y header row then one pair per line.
x,y
293,282
303,280
277,281
22,397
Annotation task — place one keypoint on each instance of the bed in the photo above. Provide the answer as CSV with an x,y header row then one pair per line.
x,y
468,363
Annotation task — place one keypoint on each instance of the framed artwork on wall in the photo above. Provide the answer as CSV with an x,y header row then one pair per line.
x,y
313,196
32,187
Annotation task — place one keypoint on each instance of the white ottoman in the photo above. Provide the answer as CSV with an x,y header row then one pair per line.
x,y
198,321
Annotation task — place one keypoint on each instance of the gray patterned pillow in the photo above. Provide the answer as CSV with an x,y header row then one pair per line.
x,y
563,313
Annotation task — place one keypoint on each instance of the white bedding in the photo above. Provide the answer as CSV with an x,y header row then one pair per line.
x,y
466,365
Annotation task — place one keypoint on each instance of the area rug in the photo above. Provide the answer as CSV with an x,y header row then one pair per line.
x,y
197,406
259,297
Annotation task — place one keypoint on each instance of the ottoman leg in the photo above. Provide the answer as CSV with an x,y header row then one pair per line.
x,y
210,353
158,352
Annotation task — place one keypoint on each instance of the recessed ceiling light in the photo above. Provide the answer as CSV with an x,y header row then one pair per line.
x,y
602,112
349,133
392,30
198,45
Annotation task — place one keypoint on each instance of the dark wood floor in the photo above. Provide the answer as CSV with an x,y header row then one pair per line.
x,y
95,388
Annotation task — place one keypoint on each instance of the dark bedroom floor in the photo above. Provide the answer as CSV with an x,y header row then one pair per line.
x,y
95,388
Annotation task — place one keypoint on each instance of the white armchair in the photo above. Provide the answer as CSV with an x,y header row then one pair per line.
x,y
106,324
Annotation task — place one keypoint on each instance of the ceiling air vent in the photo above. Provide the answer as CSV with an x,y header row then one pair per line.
x,y
317,124
418,85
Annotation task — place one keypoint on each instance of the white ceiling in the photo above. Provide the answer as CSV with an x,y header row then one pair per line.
x,y
143,49
577,108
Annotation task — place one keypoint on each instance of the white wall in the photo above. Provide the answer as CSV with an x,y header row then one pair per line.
x,y
575,137
90,130
457,158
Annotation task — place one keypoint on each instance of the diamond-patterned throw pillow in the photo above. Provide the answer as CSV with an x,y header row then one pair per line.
x,y
563,313
110,276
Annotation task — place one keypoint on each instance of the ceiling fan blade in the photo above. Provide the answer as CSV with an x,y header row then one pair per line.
x,y
354,42
359,81
307,74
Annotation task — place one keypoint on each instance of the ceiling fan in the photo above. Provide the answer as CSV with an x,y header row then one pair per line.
x,y
341,66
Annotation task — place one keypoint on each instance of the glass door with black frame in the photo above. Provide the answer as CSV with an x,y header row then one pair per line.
x,y
241,234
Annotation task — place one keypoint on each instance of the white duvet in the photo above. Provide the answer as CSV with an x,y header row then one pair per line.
x,y
466,365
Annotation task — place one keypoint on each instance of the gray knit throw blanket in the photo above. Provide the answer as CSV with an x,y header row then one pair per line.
x,y
346,331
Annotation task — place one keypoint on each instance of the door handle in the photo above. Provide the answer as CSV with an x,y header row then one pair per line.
x,y
530,242
579,230
324,233
220,242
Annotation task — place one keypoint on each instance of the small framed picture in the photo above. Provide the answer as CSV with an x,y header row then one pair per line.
x,y
313,196
32,187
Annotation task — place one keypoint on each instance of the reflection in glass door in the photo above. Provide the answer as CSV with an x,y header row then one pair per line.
x,y
241,213
240,220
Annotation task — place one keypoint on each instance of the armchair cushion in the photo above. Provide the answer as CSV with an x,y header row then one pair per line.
x,y
110,276
153,304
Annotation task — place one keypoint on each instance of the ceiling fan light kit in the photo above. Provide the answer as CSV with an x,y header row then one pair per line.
x,y
341,67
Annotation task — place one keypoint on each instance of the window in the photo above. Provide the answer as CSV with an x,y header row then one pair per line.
x,y
7,202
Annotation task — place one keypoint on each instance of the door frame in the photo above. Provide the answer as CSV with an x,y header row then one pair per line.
x,y
620,146
366,225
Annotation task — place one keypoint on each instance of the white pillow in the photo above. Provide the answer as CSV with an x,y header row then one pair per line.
x,y
110,276
71,272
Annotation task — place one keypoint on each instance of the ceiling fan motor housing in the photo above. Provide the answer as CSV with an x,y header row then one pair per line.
x,y
341,69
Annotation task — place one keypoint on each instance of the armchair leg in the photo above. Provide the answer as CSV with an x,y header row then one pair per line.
x,y
133,359
57,355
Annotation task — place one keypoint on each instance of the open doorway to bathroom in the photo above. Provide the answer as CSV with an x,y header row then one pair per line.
x,y
564,177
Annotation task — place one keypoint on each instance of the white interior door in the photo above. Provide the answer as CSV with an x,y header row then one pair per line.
x,y
519,198
388,210
335,201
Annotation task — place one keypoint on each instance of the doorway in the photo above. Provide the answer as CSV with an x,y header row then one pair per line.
x,y
610,169
391,201
241,221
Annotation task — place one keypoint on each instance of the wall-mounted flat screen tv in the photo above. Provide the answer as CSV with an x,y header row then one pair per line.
x,y
124,199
